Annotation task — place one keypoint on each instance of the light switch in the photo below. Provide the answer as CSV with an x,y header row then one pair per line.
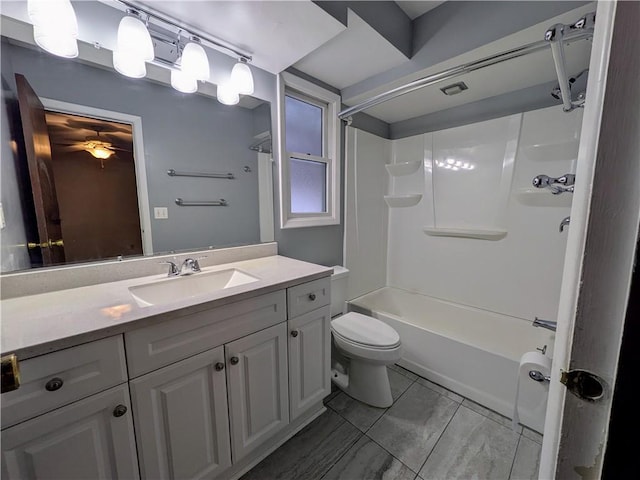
x,y
160,213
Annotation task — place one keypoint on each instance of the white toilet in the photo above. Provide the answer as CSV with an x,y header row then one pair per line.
x,y
363,347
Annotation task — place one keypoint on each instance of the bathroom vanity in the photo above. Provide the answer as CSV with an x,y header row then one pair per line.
x,y
204,386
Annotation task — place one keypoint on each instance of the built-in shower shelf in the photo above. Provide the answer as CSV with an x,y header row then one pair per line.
x,y
406,200
403,168
541,197
465,233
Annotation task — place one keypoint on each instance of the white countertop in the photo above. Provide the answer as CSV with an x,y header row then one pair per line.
x,y
37,324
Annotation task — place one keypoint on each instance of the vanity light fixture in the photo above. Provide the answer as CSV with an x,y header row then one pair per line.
x,y
183,82
55,26
227,94
195,63
134,46
241,77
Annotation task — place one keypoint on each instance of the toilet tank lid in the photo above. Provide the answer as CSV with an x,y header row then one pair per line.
x,y
339,271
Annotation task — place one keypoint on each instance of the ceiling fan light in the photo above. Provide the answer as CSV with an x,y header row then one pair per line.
x,y
128,65
56,43
182,82
56,15
134,39
241,78
195,62
100,152
227,94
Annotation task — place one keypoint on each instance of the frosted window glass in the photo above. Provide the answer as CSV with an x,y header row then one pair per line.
x,y
303,127
308,186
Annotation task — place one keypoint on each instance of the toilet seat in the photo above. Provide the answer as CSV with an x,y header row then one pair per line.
x,y
364,331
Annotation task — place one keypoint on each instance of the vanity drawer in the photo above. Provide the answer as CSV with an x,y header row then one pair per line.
x,y
304,298
55,379
169,341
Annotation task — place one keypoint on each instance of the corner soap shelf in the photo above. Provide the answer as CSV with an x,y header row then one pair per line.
x,y
406,200
465,233
404,168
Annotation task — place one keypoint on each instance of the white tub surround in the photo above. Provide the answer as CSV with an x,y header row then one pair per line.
x,y
36,324
473,352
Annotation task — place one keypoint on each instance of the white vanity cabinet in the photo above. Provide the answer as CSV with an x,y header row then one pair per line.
x,y
309,344
74,422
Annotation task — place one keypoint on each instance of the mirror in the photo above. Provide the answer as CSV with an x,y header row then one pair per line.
x,y
218,194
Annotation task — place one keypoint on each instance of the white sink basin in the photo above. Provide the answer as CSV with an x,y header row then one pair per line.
x,y
180,288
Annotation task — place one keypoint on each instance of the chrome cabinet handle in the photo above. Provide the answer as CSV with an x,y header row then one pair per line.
x,y
219,366
54,384
294,333
312,296
119,411
234,360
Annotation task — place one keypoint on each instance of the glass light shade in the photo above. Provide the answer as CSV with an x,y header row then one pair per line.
x,y
242,79
55,15
195,62
56,43
128,65
227,94
182,82
134,39
100,152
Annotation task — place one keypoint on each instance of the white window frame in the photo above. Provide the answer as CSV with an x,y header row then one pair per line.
x,y
330,102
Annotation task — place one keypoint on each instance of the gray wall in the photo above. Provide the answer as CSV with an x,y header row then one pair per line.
x,y
13,238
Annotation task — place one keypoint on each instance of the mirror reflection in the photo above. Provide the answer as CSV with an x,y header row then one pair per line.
x,y
98,166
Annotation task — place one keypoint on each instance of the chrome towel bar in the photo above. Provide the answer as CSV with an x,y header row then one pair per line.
x,y
204,203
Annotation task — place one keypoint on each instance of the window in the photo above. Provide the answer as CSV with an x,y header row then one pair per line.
x,y
309,154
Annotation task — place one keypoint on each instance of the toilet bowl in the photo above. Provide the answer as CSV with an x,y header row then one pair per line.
x,y
363,347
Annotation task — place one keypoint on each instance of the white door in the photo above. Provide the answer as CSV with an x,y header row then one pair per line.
x,y
600,250
258,387
181,418
309,359
89,439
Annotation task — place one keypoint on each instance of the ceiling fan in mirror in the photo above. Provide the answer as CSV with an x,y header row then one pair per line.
x,y
101,145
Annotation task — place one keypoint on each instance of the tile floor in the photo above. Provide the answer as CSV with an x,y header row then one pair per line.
x,y
428,433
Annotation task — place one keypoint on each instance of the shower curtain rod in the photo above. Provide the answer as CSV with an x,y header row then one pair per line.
x,y
459,70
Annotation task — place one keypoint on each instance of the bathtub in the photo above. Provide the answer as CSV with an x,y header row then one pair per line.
x,y
473,352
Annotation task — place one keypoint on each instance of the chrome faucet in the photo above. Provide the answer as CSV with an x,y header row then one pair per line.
x,y
174,271
548,324
565,221
190,265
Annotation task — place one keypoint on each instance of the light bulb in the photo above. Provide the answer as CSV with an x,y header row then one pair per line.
x,y
128,65
227,94
100,152
134,39
55,42
241,78
195,62
182,82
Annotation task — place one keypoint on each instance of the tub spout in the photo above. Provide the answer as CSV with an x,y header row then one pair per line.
x,y
548,324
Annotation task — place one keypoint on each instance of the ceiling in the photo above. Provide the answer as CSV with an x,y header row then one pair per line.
x,y
414,9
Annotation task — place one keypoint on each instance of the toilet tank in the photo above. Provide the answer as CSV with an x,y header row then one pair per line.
x,y
338,290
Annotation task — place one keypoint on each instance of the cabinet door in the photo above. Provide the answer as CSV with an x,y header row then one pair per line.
x,y
309,359
89,439
181,418
258,392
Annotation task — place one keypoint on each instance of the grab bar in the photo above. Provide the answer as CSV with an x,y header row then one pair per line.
x,y
548,324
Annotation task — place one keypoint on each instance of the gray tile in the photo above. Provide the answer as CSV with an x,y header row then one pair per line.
x,y
403,371
310,453
527,462
412,426
532,435
399,384
441,390
496,417
359,414
331,396
368,460
472,446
